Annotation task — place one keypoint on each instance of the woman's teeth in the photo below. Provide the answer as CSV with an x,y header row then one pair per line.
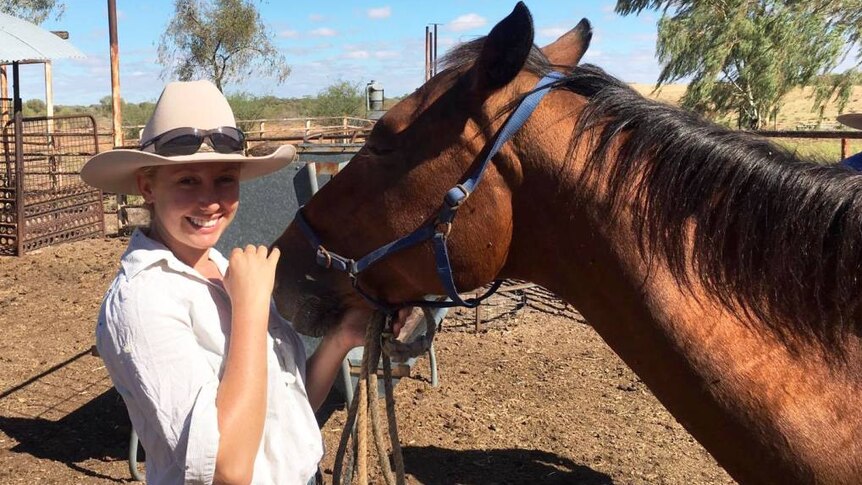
x,y
202,222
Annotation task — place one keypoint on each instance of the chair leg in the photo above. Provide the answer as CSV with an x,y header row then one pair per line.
x,y
133,457
348,382
432,362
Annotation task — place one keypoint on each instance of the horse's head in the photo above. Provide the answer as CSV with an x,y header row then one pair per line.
x,y
421,148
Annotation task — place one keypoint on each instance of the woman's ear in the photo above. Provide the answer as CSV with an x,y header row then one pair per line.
x,y
145,186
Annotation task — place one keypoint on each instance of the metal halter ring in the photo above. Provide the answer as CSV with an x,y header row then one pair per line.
x,y
325,253
447,228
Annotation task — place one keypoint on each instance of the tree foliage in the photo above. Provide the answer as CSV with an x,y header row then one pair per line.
x,y
135,115
220,40
341,98
36,11
34,107
744,56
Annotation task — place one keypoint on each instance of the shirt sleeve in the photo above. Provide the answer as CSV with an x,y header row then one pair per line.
x,y
165,374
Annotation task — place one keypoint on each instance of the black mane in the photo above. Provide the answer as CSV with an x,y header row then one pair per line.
x,y
775,235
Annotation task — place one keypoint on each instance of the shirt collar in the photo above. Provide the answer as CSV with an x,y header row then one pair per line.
x,y
144,252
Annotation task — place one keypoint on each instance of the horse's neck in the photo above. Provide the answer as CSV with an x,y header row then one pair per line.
x,y
765,413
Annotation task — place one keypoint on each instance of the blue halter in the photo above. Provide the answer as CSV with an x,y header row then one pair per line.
x,y
438,229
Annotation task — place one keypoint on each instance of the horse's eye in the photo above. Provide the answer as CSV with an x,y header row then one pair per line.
x,y
378,150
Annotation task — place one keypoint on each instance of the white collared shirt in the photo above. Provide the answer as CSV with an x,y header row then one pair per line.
x,y
163,332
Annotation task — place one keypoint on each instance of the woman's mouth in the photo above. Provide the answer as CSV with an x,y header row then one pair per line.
x,y
203,223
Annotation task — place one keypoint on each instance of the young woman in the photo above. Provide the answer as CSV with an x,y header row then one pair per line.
x,y
216,383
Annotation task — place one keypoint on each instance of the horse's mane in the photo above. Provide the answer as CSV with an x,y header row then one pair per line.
x,y
769,233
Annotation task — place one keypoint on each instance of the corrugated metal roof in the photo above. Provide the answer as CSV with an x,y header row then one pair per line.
x,y
23,41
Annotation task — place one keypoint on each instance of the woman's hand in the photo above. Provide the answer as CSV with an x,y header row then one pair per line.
x,y
250,277
324,365
350,332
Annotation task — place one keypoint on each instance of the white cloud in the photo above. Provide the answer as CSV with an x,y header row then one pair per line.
x,y
466,22
386,55
357,55
552,32
379,13
324,32
288,34
316,17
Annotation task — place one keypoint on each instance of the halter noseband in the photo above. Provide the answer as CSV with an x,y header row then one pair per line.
x,y
438,229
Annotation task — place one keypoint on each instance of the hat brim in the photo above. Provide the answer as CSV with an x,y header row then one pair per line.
x,y
115,170
852,120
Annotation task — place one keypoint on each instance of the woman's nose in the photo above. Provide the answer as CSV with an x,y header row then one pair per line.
x,y
208,199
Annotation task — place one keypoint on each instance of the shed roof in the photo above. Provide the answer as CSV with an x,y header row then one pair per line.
x,y
21,40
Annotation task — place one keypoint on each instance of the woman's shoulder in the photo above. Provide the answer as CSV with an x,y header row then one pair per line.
x,y
148,293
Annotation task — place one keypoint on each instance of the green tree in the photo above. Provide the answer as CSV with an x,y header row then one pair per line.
x,y
35,11
220,40
246,107
135,115
342,98
34,107
744,56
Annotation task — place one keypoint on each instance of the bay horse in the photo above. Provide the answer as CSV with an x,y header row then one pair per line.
x,y
723,270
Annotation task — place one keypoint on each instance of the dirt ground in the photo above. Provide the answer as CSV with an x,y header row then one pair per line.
x,y
535,396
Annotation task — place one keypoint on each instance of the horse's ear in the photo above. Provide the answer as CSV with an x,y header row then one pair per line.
x,y
568,50
505,50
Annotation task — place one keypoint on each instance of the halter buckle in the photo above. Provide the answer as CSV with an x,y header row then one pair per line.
x,y
456,196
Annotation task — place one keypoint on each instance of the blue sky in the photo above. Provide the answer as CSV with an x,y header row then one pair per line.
x,y
329,40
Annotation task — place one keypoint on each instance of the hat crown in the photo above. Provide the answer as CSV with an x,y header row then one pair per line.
x,y
191,104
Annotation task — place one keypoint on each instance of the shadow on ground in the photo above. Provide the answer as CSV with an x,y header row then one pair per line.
x,y
98,430
430,464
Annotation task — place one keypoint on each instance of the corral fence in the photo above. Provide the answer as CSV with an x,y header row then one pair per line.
x,y
5,110
841,135
43,200
56,206
327,129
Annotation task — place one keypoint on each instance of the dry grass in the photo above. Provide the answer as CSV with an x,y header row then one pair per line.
x,y
795,114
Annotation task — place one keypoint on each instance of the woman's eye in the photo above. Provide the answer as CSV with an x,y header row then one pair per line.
x,y
187,181
227,180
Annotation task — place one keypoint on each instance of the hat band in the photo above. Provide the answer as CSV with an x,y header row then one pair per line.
x,y
188,140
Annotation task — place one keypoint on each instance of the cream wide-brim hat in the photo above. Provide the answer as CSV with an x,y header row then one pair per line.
x,y
852,120
194,104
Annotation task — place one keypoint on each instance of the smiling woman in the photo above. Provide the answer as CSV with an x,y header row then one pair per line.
x,y
216,383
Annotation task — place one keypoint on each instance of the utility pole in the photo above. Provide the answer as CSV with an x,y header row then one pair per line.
x,y
117,108
430,50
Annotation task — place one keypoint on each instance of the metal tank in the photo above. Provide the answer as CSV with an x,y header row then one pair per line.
x,y
374,100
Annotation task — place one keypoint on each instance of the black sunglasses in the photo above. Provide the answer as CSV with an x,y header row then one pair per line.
x,y
186,140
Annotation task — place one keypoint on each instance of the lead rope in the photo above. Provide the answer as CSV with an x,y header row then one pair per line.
x,y
377,342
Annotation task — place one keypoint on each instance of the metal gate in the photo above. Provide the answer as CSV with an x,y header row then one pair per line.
x,y
43,200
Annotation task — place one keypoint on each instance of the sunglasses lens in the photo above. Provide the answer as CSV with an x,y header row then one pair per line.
x,y
180,145
226,142
186,141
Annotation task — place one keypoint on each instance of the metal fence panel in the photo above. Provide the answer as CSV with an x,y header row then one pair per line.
x,y
56,205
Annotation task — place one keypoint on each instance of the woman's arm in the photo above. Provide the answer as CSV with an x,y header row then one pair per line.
x,y
241,397
324,364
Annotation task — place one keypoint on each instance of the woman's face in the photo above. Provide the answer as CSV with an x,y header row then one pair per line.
x,y
192,204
